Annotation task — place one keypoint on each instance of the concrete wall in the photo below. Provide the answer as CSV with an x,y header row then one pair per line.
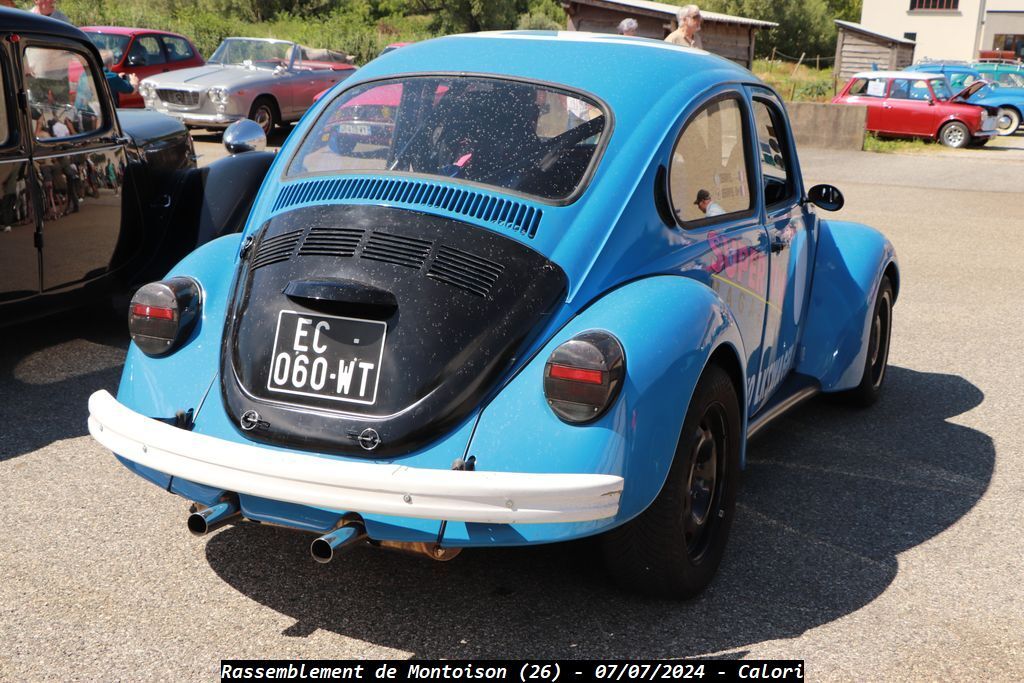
x,y
827,126
941,34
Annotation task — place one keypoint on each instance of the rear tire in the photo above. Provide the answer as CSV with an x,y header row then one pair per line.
x,y
673,548
954,134
1014,121
264,112
867,392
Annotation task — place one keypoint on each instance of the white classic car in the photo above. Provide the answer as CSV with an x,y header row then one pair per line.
x,y
269,81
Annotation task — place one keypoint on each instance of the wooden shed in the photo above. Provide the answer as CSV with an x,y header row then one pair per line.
x,y
859,49
723,34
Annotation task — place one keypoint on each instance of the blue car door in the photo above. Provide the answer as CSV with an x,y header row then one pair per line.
x,y
790,227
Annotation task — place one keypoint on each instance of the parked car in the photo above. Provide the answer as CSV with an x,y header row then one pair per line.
x,y
143,52
92,201
1006,73
391,47
1002,97
552,303
910,104
272,82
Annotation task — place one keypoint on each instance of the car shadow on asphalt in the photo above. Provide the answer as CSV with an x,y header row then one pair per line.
x,y
830,497
48,369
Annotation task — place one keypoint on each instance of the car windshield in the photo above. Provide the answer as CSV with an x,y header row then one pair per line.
x,y
524,137
941,88
262,54
117,44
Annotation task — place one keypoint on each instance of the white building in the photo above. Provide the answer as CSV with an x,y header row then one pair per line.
x,y
950,29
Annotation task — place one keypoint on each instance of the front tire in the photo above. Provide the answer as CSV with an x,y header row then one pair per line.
x,y
1013,121
954,134
264,112
870,388
673,548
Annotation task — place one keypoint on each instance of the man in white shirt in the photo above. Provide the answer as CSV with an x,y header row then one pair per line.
x,y
48,8
707,206
689,26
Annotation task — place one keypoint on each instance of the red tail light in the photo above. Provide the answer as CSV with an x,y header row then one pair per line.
x,y
583,376
162,314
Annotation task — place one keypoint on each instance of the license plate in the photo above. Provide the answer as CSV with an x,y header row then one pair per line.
x,y
327,357
354,129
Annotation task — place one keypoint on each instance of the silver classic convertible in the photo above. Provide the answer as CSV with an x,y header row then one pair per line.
x,y
269,81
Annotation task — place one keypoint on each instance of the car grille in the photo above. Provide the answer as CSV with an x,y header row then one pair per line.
x,y
988,123
187,98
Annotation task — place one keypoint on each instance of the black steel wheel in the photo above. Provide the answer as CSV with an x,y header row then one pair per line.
x,y
877,360
264,112
674,547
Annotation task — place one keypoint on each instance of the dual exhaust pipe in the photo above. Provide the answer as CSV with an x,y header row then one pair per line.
x,y
324,548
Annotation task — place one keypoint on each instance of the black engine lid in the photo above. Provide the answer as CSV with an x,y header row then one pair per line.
x,y
404,321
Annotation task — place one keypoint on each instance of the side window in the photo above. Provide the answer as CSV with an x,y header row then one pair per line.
x,y
772,154
708,171
4,131
178,49
907,89
62,93
872,87
148,48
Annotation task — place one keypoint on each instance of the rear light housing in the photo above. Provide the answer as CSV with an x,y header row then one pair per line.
x,y
583,376
162,314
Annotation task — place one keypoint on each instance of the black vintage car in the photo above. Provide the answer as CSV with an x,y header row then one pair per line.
x,y
92,199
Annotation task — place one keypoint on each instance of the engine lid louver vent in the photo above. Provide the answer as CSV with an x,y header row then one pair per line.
x,y
276,249
402,251
506,213
331,241
466,271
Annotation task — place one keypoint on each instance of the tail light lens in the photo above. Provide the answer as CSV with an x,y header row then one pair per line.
x,y
583,376
162,314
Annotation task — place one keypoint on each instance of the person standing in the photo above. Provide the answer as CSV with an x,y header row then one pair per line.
x,y
688,33
48,8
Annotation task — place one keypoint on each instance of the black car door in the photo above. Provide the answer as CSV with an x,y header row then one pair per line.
x,y
19,257
78,160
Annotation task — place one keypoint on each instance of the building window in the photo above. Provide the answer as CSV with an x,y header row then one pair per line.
x,y
934,4
910,36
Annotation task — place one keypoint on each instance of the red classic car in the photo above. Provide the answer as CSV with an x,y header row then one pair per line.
x,y
143,52
916,104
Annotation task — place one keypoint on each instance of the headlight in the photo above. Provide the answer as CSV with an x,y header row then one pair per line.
x,y
147,90
162,314
218,95
583,376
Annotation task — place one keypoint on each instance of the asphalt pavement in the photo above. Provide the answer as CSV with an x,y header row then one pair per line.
x,y
883,544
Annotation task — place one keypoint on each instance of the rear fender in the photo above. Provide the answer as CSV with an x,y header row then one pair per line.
x,y
164,387
850,261
668,326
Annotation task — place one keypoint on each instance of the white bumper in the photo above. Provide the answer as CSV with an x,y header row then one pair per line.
x,y
325,482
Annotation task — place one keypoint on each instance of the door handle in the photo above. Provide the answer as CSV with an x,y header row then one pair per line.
x,y
886,106
777,245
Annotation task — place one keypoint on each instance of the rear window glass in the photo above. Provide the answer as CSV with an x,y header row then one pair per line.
x,y
524,137
873,87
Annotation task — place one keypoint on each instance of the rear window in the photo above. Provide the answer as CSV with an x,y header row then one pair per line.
x,y
523,137
869,87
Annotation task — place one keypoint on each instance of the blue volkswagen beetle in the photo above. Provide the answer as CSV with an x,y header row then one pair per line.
x,y
554,301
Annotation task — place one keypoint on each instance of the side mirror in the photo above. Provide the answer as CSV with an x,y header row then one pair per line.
x,y
136,60
827,197
244,136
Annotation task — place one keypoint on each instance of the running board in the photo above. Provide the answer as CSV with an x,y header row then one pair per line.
x,y
794,390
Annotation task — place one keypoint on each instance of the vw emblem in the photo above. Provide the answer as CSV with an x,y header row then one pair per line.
x,y
249,420
369,439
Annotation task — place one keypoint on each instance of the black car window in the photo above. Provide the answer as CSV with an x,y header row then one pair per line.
x,y
62,93
178,49
5,133
525,137
147,47
708,174
772,154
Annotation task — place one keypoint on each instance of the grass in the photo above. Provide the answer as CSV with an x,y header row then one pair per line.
x,y
796,83
873,143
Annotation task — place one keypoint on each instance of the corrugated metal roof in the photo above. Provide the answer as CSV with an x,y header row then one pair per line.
x,y
672,10
863,29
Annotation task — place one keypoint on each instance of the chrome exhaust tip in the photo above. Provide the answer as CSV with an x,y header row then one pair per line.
x,y
324,548
202,522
